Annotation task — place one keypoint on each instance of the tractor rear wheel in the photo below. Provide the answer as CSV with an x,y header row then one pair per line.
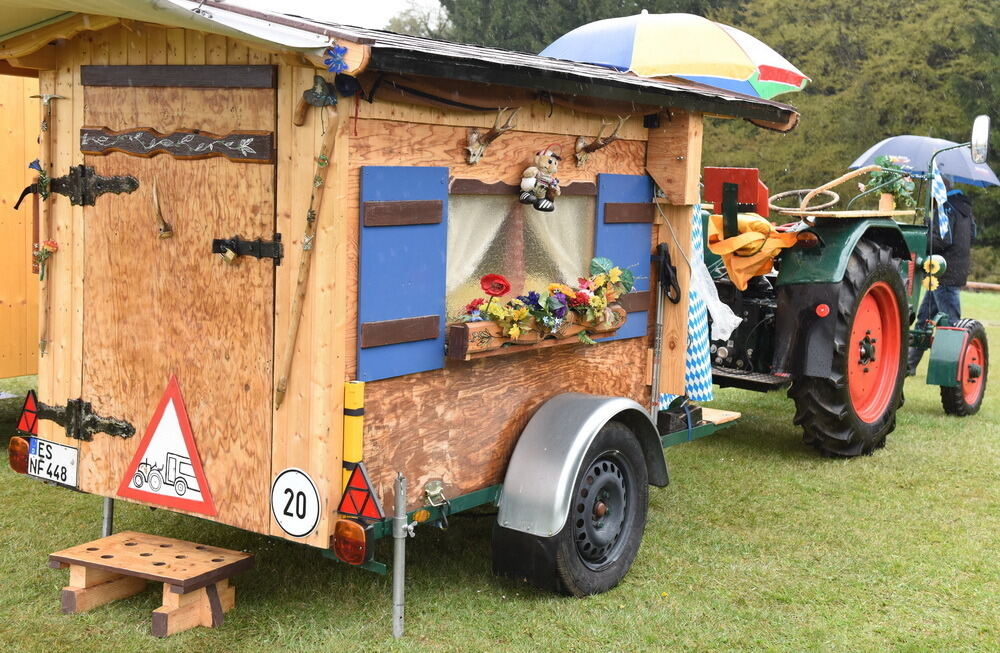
x,y
851,412
966,398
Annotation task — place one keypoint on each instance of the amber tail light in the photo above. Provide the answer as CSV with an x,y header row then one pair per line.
x,y
17,454
352,542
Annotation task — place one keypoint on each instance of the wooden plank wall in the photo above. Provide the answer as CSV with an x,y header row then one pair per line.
x,y
18,286
460,424
308,427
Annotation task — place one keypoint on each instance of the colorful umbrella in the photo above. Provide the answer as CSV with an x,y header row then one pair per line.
x,y
955,165
683,45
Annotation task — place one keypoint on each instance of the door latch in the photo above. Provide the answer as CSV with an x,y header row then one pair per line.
x,y
232,248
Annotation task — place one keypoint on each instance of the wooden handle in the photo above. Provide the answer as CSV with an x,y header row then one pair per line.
x,y
836,182
299,117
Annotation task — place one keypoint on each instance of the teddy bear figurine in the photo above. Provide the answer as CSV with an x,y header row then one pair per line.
x,y
539,185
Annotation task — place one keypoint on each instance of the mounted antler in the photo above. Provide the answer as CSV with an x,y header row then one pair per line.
x,y
478,141
584,149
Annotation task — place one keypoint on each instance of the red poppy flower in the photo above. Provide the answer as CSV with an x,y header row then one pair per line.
x,y
474,305
494,285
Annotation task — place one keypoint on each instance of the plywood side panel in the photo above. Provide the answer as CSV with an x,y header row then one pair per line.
x,y
460,424
18,286
537,117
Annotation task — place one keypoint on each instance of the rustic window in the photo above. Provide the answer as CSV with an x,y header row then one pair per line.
x,y
498,234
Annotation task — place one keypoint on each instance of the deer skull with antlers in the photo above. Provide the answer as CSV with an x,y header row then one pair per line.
x,y
478,141
585,149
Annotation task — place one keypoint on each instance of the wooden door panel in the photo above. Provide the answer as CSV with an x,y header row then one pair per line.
x,y
156,307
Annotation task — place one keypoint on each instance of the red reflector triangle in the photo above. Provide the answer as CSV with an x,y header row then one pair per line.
x,y
28,424
359,500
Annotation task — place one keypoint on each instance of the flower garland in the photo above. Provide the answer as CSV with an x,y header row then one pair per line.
x,y
547,313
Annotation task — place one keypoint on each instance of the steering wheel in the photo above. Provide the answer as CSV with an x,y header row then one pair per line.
x,y
802,192
824,189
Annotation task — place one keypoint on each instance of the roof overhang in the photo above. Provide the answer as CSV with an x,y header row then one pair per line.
x,y
29,25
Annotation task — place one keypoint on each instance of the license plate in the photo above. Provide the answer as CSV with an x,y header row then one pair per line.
x,y
52,462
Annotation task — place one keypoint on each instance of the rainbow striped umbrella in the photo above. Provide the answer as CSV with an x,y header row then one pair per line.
x,y
683,45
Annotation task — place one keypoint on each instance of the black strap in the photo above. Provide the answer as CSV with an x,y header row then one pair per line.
x,y
666,273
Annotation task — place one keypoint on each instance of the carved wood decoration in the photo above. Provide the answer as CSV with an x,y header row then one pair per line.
x,y
240,146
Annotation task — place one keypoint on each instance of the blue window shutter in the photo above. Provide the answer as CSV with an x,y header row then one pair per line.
x,y
627,244
401,272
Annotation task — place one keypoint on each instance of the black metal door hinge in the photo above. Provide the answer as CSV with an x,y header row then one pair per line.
x,y
81,185
231,248
80,421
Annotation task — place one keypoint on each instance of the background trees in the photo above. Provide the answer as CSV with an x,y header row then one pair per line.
x,y
922,67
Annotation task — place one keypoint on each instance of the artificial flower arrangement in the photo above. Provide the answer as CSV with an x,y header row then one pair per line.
x,y
560,312
892,179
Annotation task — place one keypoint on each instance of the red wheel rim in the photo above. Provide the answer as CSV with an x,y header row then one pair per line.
x,y
973,372
874,352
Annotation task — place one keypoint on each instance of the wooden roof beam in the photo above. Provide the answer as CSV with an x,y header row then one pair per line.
x,y
19,47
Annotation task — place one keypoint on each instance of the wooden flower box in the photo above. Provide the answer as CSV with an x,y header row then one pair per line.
x,y
468,340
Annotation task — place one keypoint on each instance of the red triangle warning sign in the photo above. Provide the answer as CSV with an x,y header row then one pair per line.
x,y
166,468
359,500
28,424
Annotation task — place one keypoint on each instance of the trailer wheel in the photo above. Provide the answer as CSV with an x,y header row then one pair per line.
x,y
966,398
180,487
853,411
600,539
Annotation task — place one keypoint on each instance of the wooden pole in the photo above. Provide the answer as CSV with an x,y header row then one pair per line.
x,y
302,283
45,161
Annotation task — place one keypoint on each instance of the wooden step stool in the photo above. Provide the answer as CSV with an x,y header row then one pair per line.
x,y
195,577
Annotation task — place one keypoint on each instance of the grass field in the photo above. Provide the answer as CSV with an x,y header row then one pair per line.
x,y
758,543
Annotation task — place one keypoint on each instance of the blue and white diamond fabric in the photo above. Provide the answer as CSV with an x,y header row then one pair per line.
x,y
697,360
940,194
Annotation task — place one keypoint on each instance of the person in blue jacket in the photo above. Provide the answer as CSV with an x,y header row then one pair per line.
x,y
956,248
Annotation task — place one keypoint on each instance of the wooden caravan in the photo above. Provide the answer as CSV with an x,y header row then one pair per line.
x,y
269,231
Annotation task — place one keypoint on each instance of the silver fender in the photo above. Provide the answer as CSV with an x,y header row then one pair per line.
x,y
538,487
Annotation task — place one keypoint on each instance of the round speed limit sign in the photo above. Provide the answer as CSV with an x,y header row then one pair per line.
x,y
295,502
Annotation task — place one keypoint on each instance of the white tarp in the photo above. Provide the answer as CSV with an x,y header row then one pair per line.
x,y
19,16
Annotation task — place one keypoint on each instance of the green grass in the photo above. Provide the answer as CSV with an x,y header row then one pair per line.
x,y
758,543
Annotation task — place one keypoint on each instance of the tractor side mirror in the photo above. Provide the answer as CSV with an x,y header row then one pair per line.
x,y
980,141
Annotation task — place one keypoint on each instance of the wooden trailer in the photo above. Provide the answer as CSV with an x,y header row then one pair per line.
x,y
269,303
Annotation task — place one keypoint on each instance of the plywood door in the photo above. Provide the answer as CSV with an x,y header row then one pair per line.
x,y
160,307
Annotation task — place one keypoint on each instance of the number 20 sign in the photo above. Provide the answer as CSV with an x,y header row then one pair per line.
x,y
295,502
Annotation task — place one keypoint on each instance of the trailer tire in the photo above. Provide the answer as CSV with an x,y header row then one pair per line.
x,y
851,412
611,491
180,487
966,398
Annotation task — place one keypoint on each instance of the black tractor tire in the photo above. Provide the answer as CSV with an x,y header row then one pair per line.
x,y
966,398
601,536
837,419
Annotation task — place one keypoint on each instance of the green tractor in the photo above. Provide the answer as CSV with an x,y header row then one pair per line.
x,y
833,320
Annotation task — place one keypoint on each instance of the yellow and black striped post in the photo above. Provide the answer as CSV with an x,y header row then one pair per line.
x,y
354,426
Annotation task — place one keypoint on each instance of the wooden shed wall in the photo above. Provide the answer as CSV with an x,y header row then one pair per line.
x,y
18,286
460,423
307,431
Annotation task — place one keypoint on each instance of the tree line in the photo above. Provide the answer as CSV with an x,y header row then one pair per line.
x,y
878,69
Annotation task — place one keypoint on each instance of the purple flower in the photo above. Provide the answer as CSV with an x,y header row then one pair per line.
x,y
334,58
532,300
561,311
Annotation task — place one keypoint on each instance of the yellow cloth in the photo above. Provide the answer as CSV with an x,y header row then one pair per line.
x,y
752,251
